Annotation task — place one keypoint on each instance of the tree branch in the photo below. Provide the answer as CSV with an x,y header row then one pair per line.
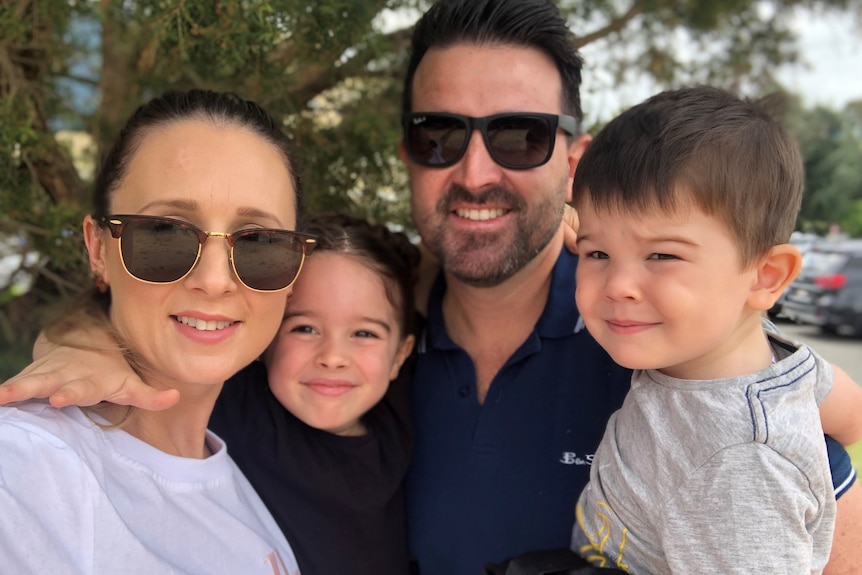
x,y
615,25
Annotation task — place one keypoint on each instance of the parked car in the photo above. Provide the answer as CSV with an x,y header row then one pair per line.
x,y
828,291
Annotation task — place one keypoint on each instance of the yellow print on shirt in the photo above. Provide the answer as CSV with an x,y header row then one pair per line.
x,y
594,552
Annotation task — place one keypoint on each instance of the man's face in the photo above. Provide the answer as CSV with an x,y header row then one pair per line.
x,y
483,221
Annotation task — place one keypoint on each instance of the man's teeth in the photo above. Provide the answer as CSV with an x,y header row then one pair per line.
x,y
480,215
203,325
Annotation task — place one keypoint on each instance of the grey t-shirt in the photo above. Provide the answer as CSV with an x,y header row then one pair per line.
x,y
721,476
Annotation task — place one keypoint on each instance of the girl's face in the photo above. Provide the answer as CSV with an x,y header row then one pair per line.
x,y
206,326
339,345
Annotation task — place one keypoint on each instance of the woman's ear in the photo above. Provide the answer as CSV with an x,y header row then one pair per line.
x,y
404,349
774,273
96,250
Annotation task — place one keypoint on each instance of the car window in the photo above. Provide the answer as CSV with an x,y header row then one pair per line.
x,y
825,262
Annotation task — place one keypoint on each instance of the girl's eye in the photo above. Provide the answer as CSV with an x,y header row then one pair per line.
x,y
597,255
663,257
302,329
365,333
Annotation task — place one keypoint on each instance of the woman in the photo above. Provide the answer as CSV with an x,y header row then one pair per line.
x,y
192,256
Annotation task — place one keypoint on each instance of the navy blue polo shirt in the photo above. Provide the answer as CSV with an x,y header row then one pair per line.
x,y
488,482
495,480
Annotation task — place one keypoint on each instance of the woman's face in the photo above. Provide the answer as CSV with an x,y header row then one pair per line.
x,y
205,327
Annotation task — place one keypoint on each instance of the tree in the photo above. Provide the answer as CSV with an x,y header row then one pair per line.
x,y
831,145
330,68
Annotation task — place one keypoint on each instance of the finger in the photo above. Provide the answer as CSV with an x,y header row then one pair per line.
x,y
81,392
27,385
136,393
570,216
570,226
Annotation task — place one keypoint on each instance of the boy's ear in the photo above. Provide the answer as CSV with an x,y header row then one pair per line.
x,y
774,273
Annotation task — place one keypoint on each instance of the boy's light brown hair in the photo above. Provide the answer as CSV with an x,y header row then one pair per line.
x,y
731,157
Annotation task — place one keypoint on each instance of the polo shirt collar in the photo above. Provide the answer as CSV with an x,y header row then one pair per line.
x,y
560,317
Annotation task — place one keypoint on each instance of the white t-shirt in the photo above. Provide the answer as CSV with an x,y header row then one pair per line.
x,y
77,498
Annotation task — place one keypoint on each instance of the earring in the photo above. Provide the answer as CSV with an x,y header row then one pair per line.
x,y
100,283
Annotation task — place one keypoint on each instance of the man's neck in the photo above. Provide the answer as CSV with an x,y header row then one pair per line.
x,y
492,323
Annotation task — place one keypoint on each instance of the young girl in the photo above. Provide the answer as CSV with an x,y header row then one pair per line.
x,y
307,426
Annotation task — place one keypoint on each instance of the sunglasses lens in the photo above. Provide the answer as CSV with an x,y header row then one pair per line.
x,y
267,261
436,140
158,251
514,140
520,141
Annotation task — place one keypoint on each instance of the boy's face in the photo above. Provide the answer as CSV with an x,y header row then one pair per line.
x,y
664,291
339,345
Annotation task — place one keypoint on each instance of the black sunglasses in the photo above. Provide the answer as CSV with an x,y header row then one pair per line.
x,y
164,250
518,141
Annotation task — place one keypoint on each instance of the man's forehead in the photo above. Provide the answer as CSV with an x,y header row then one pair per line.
x,y
483,79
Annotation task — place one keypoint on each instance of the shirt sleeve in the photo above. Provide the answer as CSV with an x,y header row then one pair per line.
x,y
747,510
843,474
47,521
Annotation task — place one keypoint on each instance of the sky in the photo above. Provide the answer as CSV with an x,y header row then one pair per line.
x,y
829,73
832,45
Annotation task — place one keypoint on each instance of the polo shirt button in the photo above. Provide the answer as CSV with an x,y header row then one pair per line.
x,y
464,391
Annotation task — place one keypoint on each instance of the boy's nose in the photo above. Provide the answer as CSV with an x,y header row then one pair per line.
x,y
621,283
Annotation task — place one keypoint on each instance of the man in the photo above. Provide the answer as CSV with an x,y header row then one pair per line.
x,y
510,395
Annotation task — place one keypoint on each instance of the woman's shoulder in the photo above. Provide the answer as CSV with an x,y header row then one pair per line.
x,y
39,419
49,446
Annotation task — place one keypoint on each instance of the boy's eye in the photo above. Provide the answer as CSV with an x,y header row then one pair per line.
x,y
663,257
597,255
365,333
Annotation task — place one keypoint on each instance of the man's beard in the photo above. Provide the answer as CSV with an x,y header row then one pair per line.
x,y
487,259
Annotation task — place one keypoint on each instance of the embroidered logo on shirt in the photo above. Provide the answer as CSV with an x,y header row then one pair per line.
x,y
579,326
572,458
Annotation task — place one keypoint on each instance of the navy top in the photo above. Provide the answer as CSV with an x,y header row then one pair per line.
x,y
338,500
843,474
495,480
492,481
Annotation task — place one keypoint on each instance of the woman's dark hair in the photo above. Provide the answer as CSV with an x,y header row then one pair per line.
x,y
218,108
388,253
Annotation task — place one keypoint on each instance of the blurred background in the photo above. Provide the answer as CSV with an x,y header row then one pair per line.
x,y
72,71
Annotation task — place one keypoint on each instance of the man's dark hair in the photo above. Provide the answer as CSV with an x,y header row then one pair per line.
x,y
528,23
702,147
